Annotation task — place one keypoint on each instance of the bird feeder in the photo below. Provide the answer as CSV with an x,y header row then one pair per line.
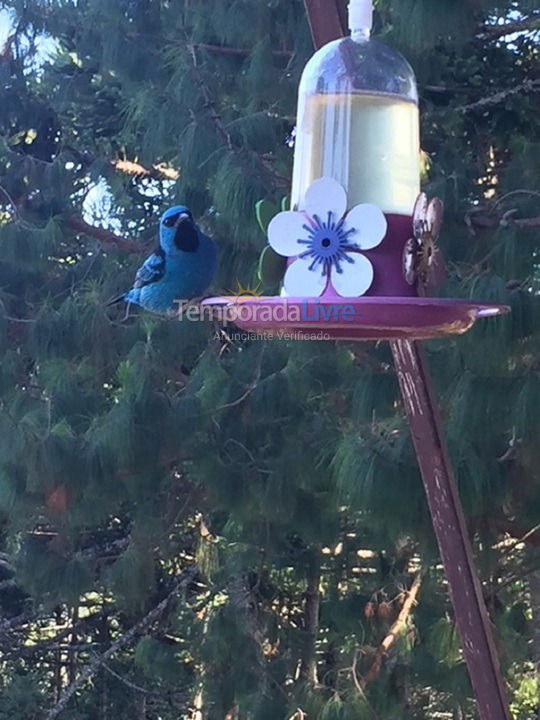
x,y
359,245
360,261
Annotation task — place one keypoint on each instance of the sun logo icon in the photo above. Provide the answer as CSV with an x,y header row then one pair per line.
x,y
247,291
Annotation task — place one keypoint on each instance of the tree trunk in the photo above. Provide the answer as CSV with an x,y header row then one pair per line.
x,y
142,707
72,653
104,696
308,663
534,592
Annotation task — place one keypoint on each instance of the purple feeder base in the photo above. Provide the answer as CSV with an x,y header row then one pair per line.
x,y
356,319
389,310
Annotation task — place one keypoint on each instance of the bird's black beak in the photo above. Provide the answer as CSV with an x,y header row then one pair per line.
x,y
186,237
182,218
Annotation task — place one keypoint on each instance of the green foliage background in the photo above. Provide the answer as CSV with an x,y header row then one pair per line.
x,y
269,490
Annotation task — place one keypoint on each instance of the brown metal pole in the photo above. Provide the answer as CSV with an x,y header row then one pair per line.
x,y
326,19
470,611
472,620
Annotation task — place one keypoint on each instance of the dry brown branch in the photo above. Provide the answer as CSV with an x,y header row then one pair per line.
x,y
500,97
490,219
161,171
360,689
491,32
529,537
124,641
105,237
395,631
114,548
525,222
239,52
250,388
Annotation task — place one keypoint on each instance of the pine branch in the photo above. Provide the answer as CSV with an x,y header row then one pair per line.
x,y
534,595
359,688
14,209
517,577
175,697
20,620
527,86
508,549
105,237
530,537
6,564
221,130
115,547
250,388
526,222
363,359
239,52
481,219
395,631
492,32
7,584
245,605
125,681
124,641
270,178
82,624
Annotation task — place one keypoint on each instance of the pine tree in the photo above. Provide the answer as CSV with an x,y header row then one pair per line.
x,y
198,528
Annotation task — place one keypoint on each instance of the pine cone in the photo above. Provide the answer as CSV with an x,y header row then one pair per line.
x,y
369,610
384,611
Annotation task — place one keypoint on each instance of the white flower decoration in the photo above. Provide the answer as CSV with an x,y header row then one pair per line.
x,y
327,243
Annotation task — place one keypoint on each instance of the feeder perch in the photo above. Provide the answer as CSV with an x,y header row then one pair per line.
x,y
356,274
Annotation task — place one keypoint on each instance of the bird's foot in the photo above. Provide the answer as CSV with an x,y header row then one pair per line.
x,y
183,305
196,301
221,337
190,309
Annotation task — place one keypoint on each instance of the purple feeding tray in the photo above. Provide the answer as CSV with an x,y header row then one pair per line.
x,y
354,275
366,318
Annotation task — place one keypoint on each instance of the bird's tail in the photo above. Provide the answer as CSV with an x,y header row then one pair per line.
x,y
116,300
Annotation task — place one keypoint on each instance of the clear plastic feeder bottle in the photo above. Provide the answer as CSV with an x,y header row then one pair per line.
x,y
358,120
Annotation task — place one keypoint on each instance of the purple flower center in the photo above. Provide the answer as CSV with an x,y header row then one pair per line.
x,y
328,244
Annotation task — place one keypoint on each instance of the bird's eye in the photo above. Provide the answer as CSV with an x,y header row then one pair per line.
x,y
170,221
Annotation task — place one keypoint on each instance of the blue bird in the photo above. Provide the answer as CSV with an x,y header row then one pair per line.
x,y
181,267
